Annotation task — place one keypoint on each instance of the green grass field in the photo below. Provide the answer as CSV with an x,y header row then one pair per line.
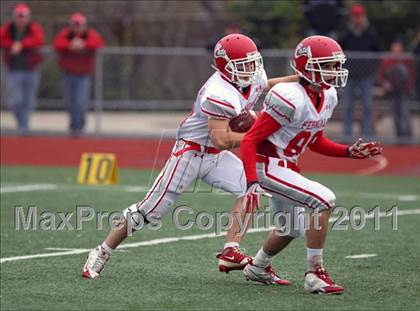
x,y
183,275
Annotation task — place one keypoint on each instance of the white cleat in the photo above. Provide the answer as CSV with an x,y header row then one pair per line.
x,y
263,275
95,263
319,282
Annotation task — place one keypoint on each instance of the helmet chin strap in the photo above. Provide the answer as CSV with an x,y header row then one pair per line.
x,y
313,83
303,76
316,84
240,83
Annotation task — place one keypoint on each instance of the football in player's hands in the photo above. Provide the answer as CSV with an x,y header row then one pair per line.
x,y
243,121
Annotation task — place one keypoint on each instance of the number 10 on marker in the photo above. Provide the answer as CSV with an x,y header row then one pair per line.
x,y
98,169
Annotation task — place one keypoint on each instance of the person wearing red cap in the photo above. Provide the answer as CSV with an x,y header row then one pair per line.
x,y
77,46
20,40
360,36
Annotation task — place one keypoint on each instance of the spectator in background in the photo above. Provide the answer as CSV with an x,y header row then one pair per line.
x,y
360,36
416,50
77,46
20,40
396,76
323,16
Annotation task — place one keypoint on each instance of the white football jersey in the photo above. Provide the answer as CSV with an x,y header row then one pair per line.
x,y
221,100
301,123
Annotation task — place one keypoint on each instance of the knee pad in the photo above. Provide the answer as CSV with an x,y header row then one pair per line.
x,y
134,216
154,214
150,211
325,199
331,198
328,196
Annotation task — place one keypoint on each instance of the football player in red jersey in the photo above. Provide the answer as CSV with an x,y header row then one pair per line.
x,y
201,150
294,118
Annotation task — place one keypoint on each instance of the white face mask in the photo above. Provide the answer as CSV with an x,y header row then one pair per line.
x,y
336,77
245,71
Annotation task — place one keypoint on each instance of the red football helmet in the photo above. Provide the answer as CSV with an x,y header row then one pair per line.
x,y
237,58
319,60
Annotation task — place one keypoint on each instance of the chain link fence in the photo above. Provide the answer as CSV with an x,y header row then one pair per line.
x,y
167,79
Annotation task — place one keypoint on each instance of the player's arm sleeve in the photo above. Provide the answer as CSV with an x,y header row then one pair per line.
x,y
279,107
327,147
217,108
262,128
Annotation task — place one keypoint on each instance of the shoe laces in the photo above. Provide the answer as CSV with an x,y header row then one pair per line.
x,y
323,275
236,250
98,261
242,253
271,271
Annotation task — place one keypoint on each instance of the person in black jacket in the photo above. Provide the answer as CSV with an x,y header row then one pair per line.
x,y
323,17
360,36
416,51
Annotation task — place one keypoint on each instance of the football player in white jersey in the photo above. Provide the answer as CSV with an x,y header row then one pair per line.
x,y
201,150
294,118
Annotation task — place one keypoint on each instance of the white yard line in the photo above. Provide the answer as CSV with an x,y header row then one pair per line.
x,y
14,188
67,251
384,196
361,256
60,249
28,188
408,197
74,249
73,252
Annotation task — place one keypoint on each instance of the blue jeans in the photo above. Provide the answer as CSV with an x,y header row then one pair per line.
x,y
365,85
401,113
22,88
76,93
